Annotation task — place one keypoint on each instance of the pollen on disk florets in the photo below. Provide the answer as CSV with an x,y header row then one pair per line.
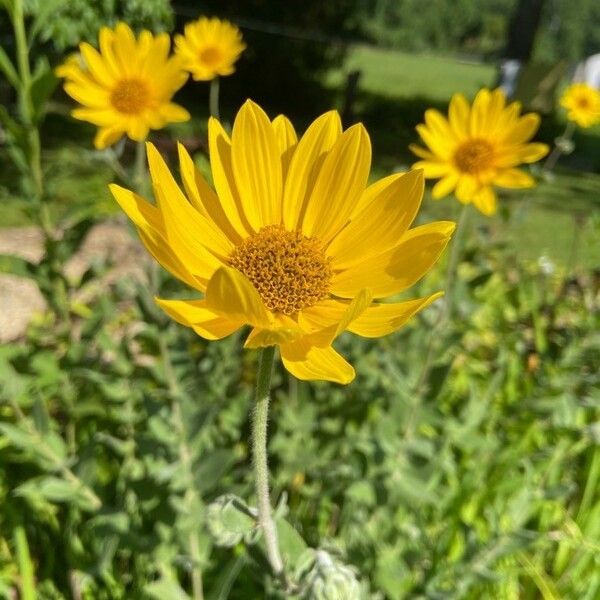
x,y
130,96
289,270
473,156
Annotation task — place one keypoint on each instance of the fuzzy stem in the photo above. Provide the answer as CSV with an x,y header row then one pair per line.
x,y
259,453
213,103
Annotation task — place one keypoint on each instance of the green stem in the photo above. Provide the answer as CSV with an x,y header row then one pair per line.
x,y
25,100
449,288
213,103
556,153
185,456
259,454
25,565
140,173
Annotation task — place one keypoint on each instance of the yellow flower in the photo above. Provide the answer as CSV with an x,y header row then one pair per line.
x,y
478,147
292,242
582,103
209,48
127,87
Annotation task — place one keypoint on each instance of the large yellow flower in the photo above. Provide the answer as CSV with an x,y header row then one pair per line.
x,y
478,147
582,103
127,87
209,48
292,242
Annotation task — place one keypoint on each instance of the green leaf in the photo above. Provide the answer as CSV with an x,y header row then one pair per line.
x,y
55,489
166,589
9,70
291,544
43,84
15,265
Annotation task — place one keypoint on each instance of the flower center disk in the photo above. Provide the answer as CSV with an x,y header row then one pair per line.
x,y
474,156
210,56
289,271
130,96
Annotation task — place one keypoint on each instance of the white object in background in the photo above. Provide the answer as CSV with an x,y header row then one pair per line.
x,y
588,71
509,75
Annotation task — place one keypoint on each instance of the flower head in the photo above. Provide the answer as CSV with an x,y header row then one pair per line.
x,y
127,86
209,48
478,147
582,103
292,241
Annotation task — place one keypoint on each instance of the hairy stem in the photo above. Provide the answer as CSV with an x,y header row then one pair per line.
x,y
259,454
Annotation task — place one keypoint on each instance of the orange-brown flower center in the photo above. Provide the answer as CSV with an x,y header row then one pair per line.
x,y
210,56
130,96
583,102
474,156
289,270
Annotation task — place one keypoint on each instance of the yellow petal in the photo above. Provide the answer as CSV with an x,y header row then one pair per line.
x,y
479,113
190,232
148,221
257,166
441,146
222,174
173,113
141,212
433,169
485,200
444,186
305,165
459,115
283,330
201,195
381,225
382,319
421,152
340,184
205,322
311,363
398,268
438,124
466,188
523,130
106,136
96,65
230,293
287,141
514,178
159,248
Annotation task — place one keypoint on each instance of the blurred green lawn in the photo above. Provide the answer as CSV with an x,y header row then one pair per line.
x,y
395,88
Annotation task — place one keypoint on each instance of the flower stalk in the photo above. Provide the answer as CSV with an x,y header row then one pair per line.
x,y
562,145
259,457
213,98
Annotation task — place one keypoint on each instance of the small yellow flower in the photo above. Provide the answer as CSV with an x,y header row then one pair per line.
x,y
127,87
209,48
291,242
582,103
478,147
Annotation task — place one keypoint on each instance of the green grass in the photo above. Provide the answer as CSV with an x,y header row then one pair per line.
x,y
403,75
